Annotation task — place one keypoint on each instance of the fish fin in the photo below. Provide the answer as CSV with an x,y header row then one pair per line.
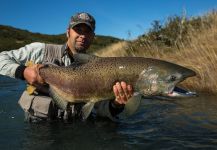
x,y
31,89
132,105
84,58
61,102
86,109
29,63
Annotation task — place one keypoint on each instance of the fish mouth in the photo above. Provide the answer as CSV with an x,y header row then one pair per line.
x,y
175,93
178,92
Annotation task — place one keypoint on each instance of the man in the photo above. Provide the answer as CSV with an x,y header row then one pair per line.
x,y
37,107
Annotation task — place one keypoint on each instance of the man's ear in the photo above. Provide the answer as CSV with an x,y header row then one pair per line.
x,y
67,33
93,36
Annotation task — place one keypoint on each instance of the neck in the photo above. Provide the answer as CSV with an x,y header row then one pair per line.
x,y
71,49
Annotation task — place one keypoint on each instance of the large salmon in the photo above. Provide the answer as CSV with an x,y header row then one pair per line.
x,y
90,79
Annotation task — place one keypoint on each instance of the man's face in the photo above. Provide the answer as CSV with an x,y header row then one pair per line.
x,y
79,38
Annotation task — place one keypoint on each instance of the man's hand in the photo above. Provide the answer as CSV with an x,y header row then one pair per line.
x,y
123,93
31,75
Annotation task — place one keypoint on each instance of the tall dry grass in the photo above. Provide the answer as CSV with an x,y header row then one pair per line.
x,y
198,51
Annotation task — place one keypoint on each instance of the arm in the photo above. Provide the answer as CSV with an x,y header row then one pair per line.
x,y
12,63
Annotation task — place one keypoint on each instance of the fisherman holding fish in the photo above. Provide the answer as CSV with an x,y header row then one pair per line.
x,y
39,106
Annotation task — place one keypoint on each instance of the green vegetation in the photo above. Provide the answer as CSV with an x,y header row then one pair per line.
x,y
168,36
12,38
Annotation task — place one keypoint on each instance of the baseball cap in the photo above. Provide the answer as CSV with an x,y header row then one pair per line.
x,y
82,18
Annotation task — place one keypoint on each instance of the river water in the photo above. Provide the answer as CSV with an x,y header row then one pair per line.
x,y
158,124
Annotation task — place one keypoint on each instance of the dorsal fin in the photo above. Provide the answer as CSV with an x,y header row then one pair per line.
x,y
84,58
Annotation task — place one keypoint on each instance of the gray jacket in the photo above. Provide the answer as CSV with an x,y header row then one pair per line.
x,y
41,107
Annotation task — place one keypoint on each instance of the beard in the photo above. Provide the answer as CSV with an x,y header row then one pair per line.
x,y
81,48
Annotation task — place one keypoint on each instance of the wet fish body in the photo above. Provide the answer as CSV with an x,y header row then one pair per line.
x,y
90,79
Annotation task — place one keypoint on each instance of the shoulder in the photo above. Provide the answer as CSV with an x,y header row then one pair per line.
x,y
36,45
46,46
54,50
53,46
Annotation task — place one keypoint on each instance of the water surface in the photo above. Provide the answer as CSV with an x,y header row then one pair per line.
x,y
181,124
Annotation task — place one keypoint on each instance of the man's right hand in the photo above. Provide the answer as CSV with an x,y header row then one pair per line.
x,y
31,75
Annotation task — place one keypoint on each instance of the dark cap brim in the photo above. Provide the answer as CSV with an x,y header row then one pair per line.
x,y
77,23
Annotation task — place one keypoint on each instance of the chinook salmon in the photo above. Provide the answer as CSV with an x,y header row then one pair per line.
x,y
90,79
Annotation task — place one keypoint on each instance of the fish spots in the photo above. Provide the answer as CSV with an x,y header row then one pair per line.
x,y
153,77
121,67
95,79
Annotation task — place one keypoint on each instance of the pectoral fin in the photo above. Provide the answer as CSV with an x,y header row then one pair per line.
x,y
86,109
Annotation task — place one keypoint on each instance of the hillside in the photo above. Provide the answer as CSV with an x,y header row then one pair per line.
x,y
13,38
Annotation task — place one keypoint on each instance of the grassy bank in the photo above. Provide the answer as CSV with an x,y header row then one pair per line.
x,y
189,42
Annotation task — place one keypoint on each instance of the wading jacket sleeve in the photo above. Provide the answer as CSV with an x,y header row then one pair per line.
x,y
15,60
